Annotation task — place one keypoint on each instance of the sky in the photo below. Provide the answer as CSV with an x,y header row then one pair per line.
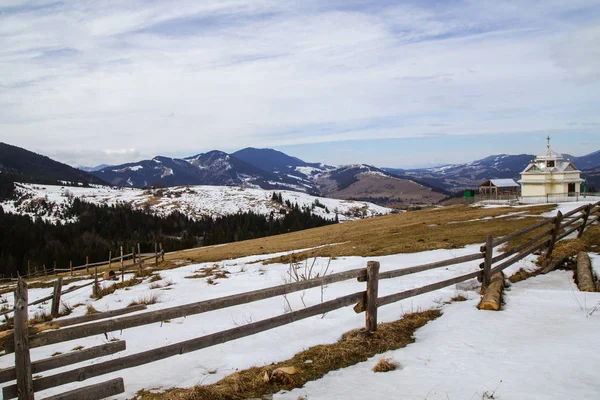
x,y
388,83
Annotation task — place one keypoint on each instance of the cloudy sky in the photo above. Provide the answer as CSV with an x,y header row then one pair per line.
x,y
391,83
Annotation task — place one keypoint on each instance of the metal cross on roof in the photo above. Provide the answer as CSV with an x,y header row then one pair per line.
x,y
548,145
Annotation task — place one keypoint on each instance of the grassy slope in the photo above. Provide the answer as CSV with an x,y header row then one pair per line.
x,y
397,233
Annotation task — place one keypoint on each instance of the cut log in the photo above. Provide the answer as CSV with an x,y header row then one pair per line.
x,y
585,279
492,298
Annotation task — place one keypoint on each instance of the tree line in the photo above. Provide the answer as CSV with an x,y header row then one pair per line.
x,y
99,229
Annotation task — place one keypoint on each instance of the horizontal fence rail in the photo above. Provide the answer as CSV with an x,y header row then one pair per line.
x,y
77,332
187,346
425,267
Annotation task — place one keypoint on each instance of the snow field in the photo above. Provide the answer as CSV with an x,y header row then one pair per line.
x,y
262,349
195,201
542,345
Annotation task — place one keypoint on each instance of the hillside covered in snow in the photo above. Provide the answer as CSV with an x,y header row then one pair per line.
x,y
52,202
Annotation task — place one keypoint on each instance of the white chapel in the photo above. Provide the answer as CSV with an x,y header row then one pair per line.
x,y
550,175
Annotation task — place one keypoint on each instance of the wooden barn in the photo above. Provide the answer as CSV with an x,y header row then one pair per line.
x,y
499,187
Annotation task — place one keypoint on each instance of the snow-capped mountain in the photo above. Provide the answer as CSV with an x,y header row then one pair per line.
x,y
457,177
268,169
214,168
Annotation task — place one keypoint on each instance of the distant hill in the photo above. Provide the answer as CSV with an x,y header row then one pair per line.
x,y
368,183
27,166
92,169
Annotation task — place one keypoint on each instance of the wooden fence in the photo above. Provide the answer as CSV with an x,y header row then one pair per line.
x,y
367,301
58,292
158,249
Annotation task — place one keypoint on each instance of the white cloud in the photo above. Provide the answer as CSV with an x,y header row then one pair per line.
x,y
182,76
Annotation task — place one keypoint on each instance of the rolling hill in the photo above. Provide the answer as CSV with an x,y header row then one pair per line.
x,y
27,166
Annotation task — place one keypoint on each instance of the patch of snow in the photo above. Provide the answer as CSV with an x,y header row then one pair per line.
x,y
167,172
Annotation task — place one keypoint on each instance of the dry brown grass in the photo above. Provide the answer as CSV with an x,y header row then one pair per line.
x,y
147,299
143,273
310,364
458,297
564,250
213,272
391,234
386,365
90,309
113,288
521,275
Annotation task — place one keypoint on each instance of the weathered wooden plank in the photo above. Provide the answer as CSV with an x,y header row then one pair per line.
x,y
487,264
24,387
93,392
555,230
575,211
55,307
9,374
371,296
570,222
586,217
519,257
76,332
515,235
516,250
425,267
568,232
61,323
35,329
426,289
187,346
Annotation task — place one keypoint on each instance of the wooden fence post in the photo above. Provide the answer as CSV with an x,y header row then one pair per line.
x,y
109,259
87,261
162,253
21,334
487,263
555,229
45,273
139,252
55,308
70,267
155,254
372,295
588,210
133,253
122,268
96,287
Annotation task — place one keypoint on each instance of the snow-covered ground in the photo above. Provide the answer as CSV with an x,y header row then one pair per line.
x,y
262,349
542,345
50,202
